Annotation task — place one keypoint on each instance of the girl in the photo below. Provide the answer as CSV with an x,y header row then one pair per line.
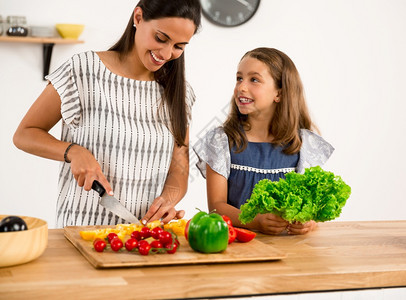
x,y
125,115
266,135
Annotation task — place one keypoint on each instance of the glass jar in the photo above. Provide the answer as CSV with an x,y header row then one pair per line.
x,y
17,26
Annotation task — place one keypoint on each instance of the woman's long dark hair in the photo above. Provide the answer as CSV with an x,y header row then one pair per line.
x,y
171,76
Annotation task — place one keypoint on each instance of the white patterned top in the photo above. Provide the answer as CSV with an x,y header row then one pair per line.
x,y
122,122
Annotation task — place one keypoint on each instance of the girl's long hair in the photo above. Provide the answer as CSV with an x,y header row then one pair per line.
x,y
291,112
171,76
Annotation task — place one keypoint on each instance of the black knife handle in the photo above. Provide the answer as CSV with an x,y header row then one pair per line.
x,y
98,188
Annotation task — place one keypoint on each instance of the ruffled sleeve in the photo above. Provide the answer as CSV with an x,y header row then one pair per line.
x,y
315,151
213,150
64,81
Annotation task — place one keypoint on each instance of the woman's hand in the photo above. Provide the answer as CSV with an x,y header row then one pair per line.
x,y
86,169
271,224
163,210
301,228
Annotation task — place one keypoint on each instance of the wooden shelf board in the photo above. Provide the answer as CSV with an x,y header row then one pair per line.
x,y
39,40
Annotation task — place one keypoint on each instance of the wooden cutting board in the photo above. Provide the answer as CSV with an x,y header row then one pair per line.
x,y
235,252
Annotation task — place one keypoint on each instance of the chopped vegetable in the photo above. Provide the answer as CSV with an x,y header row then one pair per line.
x,y
315,195
244,235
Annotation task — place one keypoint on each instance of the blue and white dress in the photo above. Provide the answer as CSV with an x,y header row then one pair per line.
x,y
258,161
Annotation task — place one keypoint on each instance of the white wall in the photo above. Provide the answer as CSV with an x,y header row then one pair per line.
x,y
350,54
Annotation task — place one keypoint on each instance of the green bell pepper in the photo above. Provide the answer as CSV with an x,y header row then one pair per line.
x,y
208,233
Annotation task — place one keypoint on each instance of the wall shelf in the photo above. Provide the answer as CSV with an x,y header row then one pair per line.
x,y
47,46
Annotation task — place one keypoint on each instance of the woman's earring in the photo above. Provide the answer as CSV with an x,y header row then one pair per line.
x,y
135,26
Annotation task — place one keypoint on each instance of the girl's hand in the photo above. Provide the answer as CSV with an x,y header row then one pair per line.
x,y
162,210
301,228
86,169
271,224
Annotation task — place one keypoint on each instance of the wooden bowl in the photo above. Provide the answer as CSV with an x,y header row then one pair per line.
x,y
18,247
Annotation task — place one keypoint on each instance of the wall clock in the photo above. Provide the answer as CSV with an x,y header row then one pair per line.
x,y
229,13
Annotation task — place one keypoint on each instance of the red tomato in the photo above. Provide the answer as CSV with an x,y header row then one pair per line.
x,y
131,244
171,248
111,236
145,232
155,232
227,220
99,245
187,228
156,245
165,237
143,249
116,244
136,235
142,242
232,234
244,235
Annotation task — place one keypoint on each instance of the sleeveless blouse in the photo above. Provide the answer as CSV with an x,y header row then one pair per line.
x,y
123,122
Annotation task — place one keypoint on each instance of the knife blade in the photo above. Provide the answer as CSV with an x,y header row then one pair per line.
x,y
113,204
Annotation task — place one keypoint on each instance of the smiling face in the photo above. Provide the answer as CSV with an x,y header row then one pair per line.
x,y
158,41
255,93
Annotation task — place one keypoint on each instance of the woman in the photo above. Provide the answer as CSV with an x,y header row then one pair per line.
x,y
125,115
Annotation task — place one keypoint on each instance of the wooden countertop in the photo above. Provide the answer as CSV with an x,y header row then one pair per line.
x,y
337,256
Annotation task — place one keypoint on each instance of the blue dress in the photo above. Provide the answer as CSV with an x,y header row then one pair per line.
x,y
258,161
249,166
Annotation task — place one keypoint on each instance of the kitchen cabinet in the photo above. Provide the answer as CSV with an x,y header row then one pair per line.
x,y
47,46
336,257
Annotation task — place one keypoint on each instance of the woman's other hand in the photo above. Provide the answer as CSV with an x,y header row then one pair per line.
x,y
163,210
301,228
86,169
271,224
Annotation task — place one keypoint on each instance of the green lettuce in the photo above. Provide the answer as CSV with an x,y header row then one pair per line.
x,y
315,195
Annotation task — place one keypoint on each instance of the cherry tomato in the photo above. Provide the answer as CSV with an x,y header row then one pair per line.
x,y
155,232
227,220
131,244
165,237
116,244
99,245
136,235
145,232
156,245
187,229
232,234
143,249
244,235
111,236
171,248
142,242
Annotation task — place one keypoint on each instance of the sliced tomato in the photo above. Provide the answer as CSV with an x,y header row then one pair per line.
x,y
244,235
227,220
232,234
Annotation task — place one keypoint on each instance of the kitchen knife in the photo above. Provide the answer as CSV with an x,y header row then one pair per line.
x,y
113,204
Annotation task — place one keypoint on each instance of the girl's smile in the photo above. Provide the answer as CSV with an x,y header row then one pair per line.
x,y
245,101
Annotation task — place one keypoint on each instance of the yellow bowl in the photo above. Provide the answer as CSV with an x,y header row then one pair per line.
x,y
70,31
18,247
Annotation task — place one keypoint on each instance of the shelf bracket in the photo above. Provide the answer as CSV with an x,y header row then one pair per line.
x,y
47,53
